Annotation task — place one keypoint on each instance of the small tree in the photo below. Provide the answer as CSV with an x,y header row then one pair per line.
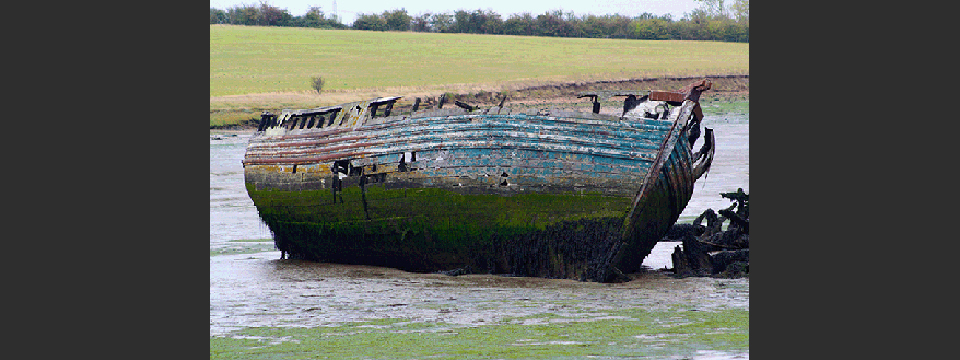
x,y
317,83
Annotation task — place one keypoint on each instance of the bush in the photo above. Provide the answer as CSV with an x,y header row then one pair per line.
x,y
317,83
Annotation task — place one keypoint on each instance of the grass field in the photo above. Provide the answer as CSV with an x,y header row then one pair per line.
x,y
270,67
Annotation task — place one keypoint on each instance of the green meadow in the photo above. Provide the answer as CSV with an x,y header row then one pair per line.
x,y
258,60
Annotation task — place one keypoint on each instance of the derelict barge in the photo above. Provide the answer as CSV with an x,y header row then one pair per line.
x,y
555,194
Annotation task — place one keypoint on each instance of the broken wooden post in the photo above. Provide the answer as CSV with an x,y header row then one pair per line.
x,y
463,105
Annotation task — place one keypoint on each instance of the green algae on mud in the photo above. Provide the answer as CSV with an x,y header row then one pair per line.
x,y
240,247
719,107
681,331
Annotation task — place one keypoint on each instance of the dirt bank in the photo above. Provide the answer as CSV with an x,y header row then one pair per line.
x,y
739,84
725,87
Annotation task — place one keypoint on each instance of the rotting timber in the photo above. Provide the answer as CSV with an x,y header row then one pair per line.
x,y
708,250
545,193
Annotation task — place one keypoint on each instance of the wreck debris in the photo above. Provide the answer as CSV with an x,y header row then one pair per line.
x,y
707,250
443,99
464,105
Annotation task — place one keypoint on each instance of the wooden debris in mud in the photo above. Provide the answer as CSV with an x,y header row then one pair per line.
x,y
707,250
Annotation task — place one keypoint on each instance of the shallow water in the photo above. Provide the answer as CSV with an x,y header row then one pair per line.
x,y
730,169
257,289
232,214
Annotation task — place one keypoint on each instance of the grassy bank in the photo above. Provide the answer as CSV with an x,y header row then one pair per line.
x,y
234,118
618,333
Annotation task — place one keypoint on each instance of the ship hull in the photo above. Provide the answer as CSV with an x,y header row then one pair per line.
x,y
579,197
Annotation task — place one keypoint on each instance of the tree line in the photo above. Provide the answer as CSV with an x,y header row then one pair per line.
x,y
265,14
712,21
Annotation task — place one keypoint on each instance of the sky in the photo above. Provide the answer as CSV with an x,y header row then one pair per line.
x,y
348,9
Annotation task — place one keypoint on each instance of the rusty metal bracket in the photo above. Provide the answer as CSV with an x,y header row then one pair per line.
x,y
669,96
690,92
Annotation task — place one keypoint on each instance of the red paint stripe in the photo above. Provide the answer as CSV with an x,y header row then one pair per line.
x,y
324,150
301,161
309,143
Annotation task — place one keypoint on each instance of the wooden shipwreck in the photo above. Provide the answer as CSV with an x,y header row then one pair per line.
x,y
557,194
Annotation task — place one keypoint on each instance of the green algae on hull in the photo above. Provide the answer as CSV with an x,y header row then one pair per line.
x,y
429,228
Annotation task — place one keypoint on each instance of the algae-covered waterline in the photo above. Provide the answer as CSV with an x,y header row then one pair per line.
x,y
263,307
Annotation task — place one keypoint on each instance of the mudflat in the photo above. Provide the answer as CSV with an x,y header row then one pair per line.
x,y
292,308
